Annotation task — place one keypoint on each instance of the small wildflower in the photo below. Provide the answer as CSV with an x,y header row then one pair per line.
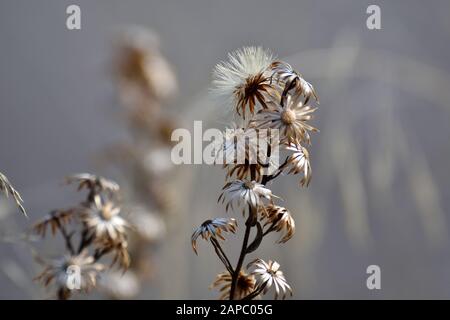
x,y
268,274
102,219
93,183
291,119
54,221
57,271
119,250
279,219
213,229
282,71
298,162
244,286
240,192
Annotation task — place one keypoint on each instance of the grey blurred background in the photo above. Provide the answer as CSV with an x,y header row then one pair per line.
x,y
380,192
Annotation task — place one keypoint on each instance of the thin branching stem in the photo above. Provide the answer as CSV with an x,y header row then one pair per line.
x,y
234,278
67,237
222,256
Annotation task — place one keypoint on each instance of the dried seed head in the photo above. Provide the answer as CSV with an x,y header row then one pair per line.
x,y
242,80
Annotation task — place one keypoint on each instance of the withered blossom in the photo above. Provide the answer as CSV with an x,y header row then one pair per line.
x,y
291,119
243,80
213,229
245,171
244,192
279,219
245,285
268,274
148,225
141,64
57,271
118,250
119,285
299,162
93,183
54,220
101,218
7,189
282,71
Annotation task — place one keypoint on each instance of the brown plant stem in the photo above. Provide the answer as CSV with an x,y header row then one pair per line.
x,y
235,275
248,226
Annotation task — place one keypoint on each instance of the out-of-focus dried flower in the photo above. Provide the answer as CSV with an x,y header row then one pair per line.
x,y
148,225
279,219
213,229
142,64
268,274
244,286
291,119
7,189
102,219
242,81
119,285
119,250
298,162
93,183
244,192
157,161
57,271
54,220
244,171
282,71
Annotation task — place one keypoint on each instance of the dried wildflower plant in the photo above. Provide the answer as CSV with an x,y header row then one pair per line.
x,y
8,190
277,98
145,82
98,229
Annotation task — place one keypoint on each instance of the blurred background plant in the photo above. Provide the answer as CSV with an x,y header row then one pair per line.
x,y
90,231
145,81
380,193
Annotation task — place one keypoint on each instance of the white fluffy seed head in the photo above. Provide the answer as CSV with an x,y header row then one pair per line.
x,y
242,64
